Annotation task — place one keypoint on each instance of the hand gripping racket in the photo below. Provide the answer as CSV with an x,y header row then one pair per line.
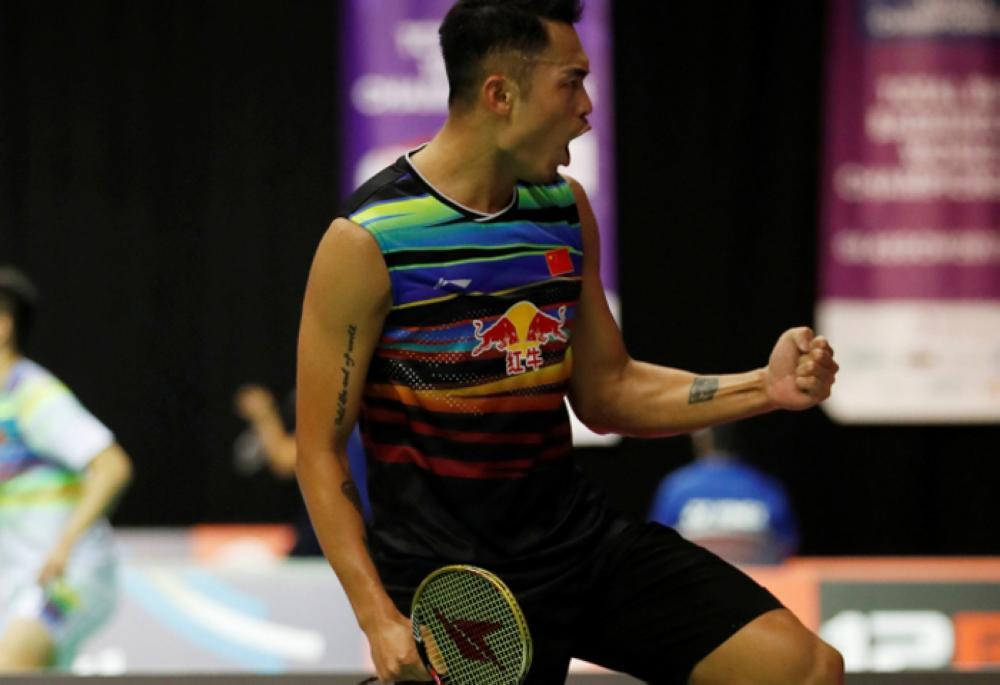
x,y
469,628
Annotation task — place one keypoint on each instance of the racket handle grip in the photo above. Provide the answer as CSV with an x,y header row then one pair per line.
x,y
374,679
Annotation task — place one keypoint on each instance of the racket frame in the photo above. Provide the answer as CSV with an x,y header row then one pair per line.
x,y
505,593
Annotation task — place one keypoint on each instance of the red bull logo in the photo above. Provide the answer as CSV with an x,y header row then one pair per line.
x,y
521,332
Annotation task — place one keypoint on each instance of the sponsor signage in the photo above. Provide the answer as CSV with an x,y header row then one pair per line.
x,y
895,626
910,244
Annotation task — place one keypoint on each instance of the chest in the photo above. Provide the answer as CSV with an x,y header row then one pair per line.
x,y
495,260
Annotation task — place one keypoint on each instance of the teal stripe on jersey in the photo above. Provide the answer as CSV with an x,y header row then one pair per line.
x,y
409,237
461,346
484,277
556,195
477,246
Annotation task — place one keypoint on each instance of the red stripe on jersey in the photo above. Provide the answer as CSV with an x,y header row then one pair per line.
x,y
389,416
557,452
442,466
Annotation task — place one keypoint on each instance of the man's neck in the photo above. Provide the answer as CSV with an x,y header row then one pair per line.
x,y
463,164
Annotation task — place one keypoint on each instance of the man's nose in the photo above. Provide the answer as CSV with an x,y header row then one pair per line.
x,y
588,104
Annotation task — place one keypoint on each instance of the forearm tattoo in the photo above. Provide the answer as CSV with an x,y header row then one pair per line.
x,y
703,389
345,371
351,492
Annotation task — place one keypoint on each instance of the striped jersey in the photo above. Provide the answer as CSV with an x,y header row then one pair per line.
x,y
464,415
47,439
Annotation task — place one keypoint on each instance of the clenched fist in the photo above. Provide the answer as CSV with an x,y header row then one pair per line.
x,y
801,370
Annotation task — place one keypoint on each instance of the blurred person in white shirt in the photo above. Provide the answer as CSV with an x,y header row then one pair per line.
x,y
60,472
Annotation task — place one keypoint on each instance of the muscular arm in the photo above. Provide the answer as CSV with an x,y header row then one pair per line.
x,y
611,392
346,301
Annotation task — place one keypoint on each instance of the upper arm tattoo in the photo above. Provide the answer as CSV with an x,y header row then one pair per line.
x,y
703,389
345,371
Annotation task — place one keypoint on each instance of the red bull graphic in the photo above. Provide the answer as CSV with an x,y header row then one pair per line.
x,y
521,332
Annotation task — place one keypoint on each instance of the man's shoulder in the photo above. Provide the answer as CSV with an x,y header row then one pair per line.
x,y
387,184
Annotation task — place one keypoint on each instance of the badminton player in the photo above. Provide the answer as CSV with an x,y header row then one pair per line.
x,y
454,307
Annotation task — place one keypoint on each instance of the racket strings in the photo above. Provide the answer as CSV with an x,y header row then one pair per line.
x,y
475,628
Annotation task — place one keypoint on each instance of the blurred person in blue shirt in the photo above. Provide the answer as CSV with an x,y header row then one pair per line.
x,y
726,505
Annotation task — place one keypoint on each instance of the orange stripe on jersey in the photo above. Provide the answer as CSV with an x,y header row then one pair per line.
x,y
445,401
547,375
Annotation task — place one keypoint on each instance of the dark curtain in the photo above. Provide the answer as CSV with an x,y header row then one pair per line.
x,y
167,168
720,119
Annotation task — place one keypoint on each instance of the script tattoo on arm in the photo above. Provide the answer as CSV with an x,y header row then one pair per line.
x,y
345,371
351,492
703,389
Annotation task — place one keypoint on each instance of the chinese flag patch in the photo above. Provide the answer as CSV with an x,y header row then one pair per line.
x,y
559,262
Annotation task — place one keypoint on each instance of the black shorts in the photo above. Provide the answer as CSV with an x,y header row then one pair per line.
x,y
651,605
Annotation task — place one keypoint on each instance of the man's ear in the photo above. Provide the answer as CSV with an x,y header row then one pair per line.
x,y
499,93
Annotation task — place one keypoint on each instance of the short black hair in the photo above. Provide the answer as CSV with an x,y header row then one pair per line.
x,y
474,29
19,298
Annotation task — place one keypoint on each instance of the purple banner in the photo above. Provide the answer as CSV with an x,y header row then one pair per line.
x,y
912,174
910,261
397,98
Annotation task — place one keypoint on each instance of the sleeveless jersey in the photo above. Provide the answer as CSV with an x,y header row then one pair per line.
x,y
464,416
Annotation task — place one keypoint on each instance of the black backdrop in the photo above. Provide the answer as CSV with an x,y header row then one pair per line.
x,y
166,170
